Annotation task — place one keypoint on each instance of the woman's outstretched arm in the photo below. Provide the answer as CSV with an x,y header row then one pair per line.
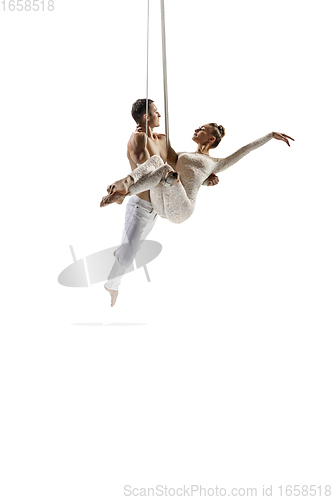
x,y
225,163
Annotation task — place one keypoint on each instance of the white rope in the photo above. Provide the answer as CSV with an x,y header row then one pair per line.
x,y
165,82
147,76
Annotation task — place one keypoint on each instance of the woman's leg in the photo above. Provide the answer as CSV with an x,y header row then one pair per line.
x,y
178,207
152,179
169,200
144,177
146,168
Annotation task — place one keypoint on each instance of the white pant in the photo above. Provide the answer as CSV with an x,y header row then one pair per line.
x,y
140,218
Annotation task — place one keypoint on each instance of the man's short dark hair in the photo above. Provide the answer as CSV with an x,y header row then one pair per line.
x,y
139,109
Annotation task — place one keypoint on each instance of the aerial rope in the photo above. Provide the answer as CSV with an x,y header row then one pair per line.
x,y
165,80
147,75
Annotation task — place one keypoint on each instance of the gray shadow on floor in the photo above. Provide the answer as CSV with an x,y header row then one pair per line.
x,y
108,324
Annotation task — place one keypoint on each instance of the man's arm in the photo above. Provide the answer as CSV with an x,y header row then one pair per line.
x,y
212,180
172,157
137,147
138,152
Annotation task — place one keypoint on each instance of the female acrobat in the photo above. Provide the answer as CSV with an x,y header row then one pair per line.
x,y
173,191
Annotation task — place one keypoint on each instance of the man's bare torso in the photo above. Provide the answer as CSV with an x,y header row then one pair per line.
x,y
155,145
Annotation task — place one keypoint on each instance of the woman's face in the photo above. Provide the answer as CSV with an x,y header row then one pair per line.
x,y
202,135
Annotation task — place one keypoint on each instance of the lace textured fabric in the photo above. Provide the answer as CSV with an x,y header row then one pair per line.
x,y
176,203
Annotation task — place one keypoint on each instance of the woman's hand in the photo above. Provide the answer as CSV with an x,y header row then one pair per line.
x,y
282,137
212,180
139,128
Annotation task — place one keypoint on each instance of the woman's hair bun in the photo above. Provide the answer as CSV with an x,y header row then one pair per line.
x,y
222,130
218,131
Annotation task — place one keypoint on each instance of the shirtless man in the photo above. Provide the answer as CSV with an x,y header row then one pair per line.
x,y
140,216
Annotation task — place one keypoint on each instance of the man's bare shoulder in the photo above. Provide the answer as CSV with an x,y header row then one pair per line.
x,y
137,136
137,140
161,137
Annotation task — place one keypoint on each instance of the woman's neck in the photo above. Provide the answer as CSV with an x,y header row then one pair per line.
x,y
203,149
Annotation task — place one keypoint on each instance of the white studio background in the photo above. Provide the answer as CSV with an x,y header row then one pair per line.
x,y
218,371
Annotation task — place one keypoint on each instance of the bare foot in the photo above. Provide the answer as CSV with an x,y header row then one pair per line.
x,y
117,191
112,198
114,295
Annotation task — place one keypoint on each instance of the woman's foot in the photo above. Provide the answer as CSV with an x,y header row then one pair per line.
x,y
117,191
113,198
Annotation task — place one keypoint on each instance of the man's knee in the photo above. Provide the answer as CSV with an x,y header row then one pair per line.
x,y
125,255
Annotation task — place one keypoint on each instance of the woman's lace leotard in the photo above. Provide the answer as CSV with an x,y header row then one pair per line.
x,y
176,203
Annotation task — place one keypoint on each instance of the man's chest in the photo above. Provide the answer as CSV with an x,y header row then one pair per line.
x,y
157,147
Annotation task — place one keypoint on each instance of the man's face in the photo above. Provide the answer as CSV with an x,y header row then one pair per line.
x,y
154,116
